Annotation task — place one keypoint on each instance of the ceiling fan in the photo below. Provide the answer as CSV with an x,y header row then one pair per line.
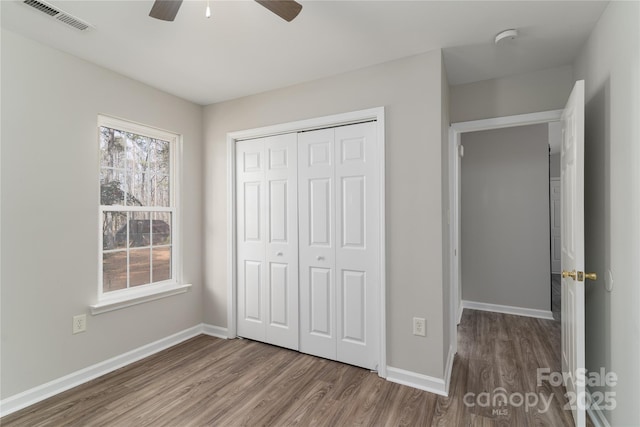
x,y
167,10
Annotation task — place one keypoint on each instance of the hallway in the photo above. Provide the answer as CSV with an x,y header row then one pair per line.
x,y
504,351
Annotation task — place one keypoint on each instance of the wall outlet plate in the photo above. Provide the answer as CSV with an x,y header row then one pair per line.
x,y
419,326
79,323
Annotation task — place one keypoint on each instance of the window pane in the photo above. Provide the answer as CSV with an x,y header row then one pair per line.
x,y
139,267
140,148
162,228
112,187
138,187
161,264
112,148
139,229
140,154
160,180
161,158
114,271
114,230
159,191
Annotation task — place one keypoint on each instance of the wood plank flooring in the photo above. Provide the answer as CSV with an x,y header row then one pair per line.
x,y
207,381
556,296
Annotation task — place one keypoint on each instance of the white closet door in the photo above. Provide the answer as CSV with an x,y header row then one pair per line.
x,y
266,209
339,243
357,244
251,238
317,243
282,240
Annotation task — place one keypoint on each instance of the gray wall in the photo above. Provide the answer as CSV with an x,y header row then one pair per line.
x,y
505,217
610,65
50,102
411,90
525,93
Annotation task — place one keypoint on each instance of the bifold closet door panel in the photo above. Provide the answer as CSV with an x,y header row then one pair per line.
x,y
357,244
251,239
267,240
316,208
282,240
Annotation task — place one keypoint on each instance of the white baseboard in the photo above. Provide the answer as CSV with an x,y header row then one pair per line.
x,y
460,310
595,413
507,309
215,331
449,369
44,391
415,380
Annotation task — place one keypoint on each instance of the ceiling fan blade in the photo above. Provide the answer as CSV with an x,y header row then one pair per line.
x,y
165,10
285,9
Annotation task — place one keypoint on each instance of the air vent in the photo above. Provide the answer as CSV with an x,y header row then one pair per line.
x,y
42,7
58,14
70,20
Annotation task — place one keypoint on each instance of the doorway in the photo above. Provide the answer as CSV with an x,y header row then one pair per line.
x,y
456,151
505,220
572,263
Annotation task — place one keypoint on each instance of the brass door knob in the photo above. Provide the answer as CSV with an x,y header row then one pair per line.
x,y
579,275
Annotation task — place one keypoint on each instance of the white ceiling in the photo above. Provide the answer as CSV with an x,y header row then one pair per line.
x,y
244,49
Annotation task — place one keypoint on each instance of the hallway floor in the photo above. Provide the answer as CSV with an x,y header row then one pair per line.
x,y
556,296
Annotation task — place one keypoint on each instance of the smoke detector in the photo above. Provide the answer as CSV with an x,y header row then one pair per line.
x,y
506,34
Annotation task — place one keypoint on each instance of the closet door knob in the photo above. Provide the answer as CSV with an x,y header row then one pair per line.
x,y
278,253
319,258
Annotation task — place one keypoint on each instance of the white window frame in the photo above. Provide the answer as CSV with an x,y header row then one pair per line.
x,y
109,301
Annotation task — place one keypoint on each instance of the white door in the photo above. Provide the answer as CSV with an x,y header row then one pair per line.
x,y
339,243
357,247
317,243
267,239
554,207
572,197
251,238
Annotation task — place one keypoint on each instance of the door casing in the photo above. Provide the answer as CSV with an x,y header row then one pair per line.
x,y
353,117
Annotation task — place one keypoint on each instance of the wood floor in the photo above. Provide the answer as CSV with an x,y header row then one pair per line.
x,y
209,381
555,296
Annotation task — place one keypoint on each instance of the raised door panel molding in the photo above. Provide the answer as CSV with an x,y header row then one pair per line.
x,y
278,217
354,308
278,295
353,213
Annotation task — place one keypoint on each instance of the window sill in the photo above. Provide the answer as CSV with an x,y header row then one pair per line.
x,y
107,304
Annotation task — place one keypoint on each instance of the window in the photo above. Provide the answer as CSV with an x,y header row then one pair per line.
x,y
138,213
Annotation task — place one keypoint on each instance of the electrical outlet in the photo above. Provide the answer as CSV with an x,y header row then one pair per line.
x,y
79,323
419,326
